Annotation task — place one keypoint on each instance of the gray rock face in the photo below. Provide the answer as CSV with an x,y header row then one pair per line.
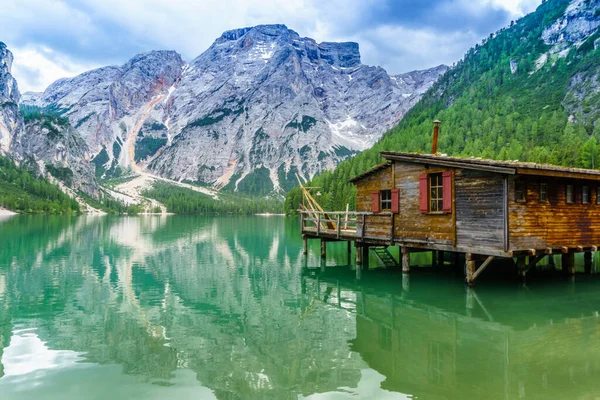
x,y
46,144
577,24
259,105
10,119
265,98
109,105
56,148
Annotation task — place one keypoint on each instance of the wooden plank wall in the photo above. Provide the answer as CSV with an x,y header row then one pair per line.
x,y
536,225
410,222
479,204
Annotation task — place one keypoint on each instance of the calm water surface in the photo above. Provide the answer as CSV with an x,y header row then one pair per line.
x,y
228,308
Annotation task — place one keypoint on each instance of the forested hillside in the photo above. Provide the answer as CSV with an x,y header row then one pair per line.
x,y
186,201
22,192
529,92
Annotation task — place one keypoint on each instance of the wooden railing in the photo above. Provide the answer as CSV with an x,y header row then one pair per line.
x,y
341,224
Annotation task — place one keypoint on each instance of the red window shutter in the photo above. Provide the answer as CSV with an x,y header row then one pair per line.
x,y
395,200
424,198
447,191
375,201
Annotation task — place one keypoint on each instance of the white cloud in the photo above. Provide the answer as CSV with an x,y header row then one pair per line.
x,y
53,39
35,68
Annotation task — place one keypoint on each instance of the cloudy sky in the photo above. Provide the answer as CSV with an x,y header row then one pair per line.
x,y
57,38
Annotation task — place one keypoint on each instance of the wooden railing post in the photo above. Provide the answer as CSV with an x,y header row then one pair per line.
x,y
364,225
339,226
318,224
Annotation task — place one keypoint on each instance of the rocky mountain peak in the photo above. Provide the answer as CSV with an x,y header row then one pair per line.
x,y
258,106
9,98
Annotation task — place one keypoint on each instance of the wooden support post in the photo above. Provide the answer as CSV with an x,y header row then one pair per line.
x,y
365,257
358,254
470,269
587,262
349,252
434,260
440,258
304,245
323,248
521,266
551,261
568,263
405,260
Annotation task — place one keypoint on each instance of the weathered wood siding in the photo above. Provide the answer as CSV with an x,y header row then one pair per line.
x,y
480,209
410,222
380,180
537,225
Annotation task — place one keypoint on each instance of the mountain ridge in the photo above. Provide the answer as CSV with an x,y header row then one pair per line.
x,y
258,106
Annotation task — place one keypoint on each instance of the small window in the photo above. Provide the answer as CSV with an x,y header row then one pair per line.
x,y
585,194
543,192
569,194
436,191
520,191
386,199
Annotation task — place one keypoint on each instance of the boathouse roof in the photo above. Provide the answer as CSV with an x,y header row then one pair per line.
x,y
504,167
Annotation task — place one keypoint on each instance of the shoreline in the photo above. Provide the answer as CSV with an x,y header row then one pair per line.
x,y
5,213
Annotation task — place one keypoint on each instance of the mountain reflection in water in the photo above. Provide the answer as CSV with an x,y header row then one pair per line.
x,y
228,308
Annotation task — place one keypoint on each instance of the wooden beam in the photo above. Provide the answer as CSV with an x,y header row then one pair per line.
x,y
531,252
323,248
548,250
564,249
483,266
470,269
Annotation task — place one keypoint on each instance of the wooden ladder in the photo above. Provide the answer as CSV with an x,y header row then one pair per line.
x,y
384,256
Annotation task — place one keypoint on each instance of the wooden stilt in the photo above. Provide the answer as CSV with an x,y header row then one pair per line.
x,y
349,252
470,269
365,257
551,261
440,258
323,249
587,262
405,260
359,254
568,263
521,266
304,246
434,259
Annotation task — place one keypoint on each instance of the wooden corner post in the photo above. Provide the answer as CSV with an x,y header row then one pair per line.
x,y
405,260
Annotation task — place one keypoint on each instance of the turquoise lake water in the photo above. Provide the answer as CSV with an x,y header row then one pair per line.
x,y
180,307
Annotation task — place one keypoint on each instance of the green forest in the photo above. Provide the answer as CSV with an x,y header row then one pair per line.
x,y
22,192
538,113
186,201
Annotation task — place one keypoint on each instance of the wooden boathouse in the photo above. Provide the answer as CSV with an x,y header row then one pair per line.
x,y
484,209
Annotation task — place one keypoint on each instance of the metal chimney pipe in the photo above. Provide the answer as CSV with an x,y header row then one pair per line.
x,y
436,130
